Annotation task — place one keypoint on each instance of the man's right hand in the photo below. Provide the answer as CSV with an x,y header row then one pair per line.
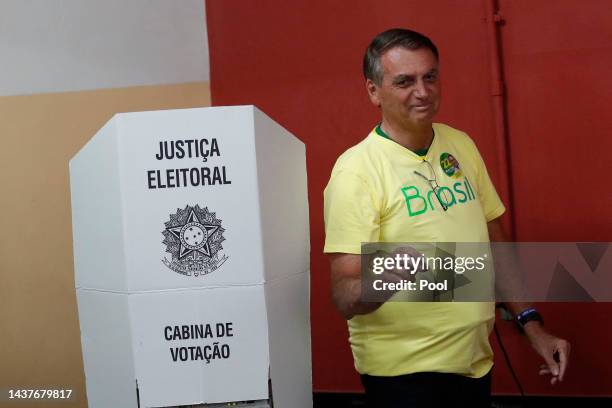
x,y
396,275
346,281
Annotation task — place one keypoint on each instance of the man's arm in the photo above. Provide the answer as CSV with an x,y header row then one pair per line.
x,y
497,234
346,285
346,281
543,342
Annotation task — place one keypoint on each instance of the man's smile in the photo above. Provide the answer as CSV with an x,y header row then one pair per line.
x,y
421,107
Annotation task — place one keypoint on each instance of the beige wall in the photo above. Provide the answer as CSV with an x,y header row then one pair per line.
x,y
39,332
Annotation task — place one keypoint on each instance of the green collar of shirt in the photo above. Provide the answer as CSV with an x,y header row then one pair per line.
x,y
379,131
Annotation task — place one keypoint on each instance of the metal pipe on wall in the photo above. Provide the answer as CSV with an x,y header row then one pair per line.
x,y
494,20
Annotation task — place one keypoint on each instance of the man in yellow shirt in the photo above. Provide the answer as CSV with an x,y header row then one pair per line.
x,y
412,180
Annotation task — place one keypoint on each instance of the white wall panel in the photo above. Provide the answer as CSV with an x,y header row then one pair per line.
x,y
69,45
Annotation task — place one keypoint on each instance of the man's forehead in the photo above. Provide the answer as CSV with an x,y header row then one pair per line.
x,y
400,60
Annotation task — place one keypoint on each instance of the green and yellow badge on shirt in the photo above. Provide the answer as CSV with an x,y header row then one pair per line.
x,y
450,165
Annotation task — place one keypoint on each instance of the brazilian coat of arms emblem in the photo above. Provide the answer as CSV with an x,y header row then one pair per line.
x,y
193,238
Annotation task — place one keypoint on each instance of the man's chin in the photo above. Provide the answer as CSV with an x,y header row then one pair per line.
x,y
422,119
411,119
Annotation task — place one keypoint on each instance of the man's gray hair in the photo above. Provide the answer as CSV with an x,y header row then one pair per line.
x,y
396,37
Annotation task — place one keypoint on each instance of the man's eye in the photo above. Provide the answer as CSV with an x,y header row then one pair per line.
x,y
431,77
403,83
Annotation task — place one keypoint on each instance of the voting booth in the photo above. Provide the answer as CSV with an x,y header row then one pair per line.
x,y
191,252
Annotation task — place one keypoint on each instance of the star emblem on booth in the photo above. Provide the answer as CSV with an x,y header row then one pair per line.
x,y
194,236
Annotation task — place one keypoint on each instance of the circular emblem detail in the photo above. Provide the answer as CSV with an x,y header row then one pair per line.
x,y
193,235
193,238
450,165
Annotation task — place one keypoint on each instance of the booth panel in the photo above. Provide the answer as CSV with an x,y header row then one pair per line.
x,y
283,198
201,346
288,303
97,219
192,168
107,349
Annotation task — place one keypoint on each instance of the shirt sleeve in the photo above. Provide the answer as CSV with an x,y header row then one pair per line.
x,y
489,199
351,213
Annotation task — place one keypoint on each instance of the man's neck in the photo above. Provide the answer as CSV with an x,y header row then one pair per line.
x,y
415,139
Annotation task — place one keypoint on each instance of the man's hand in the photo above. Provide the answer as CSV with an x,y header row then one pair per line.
x,y
396,275
346,282
553,350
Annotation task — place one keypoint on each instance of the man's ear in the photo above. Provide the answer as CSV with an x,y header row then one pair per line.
x,y
372,90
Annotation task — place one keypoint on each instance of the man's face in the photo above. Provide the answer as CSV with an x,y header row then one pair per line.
x,y
409,95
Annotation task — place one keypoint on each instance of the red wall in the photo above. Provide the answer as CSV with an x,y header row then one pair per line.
x,y
557,61
300,62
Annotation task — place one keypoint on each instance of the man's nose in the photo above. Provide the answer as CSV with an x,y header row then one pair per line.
x,y
421,90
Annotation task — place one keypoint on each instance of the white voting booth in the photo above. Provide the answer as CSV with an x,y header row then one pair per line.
x,y
191,251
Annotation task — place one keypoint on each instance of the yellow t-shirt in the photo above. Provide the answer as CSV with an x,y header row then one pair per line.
x,y
374,195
